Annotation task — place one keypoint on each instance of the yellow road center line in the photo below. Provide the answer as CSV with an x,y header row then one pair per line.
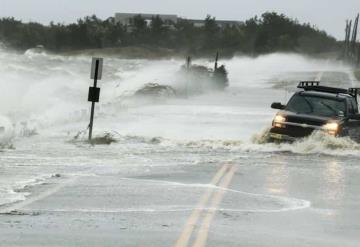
x,y
205,226
195,215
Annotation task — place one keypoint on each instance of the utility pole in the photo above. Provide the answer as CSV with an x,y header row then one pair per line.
x,y
94,92
347,40
353,37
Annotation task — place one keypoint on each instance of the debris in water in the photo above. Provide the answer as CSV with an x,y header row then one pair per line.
x,y
80,133
199,78
156,140
107,139
155,90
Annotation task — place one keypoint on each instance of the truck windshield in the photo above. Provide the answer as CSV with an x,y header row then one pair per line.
x,y
318,106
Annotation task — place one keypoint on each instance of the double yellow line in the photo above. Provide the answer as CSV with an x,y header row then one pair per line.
x,y
222,179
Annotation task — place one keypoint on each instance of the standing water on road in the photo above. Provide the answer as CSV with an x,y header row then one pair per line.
x,y
43,106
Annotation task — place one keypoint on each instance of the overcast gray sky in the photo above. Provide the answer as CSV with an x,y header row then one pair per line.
x,y
328,15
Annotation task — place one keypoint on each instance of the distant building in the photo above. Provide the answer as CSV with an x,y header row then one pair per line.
x,y
126,19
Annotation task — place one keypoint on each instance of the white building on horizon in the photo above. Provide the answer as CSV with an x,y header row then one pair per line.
x,y
126,19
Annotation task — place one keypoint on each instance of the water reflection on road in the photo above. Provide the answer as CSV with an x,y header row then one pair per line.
x,y
334,183
277,180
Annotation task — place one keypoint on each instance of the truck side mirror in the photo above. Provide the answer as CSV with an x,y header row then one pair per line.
x,y
277,105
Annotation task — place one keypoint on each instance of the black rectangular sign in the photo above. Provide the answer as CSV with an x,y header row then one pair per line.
x,y
94,94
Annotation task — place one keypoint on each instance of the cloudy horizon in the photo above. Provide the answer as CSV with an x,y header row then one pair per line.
x,y
44,11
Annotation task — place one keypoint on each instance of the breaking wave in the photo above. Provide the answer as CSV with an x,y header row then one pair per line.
x,y
48,90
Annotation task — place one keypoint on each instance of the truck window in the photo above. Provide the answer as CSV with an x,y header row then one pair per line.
x,y
317,106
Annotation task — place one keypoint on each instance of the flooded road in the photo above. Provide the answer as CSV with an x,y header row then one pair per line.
x,y
184,170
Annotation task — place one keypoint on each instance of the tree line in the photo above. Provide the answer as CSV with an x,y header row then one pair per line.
x,y
271,32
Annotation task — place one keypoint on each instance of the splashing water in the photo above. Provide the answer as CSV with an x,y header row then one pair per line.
x,y
48,92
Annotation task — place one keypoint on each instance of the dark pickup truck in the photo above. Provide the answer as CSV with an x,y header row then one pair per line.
x,y
332,110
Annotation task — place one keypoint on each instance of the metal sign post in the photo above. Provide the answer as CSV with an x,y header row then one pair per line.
x,y
188,67
94,92
216,61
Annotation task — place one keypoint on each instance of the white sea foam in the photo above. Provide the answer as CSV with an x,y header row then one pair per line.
x,y
6,132
13,191
266,203
49,93
317,143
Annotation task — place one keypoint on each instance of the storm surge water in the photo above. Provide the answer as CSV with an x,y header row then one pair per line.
x,y
42,91
43,104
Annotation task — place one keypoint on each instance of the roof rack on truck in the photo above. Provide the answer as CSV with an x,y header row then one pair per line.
x,y
315,86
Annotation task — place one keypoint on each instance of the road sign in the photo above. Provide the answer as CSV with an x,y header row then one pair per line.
x,y
93,68
94,92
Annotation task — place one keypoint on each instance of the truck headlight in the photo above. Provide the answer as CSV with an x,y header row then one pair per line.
x,y
279,121
331,128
